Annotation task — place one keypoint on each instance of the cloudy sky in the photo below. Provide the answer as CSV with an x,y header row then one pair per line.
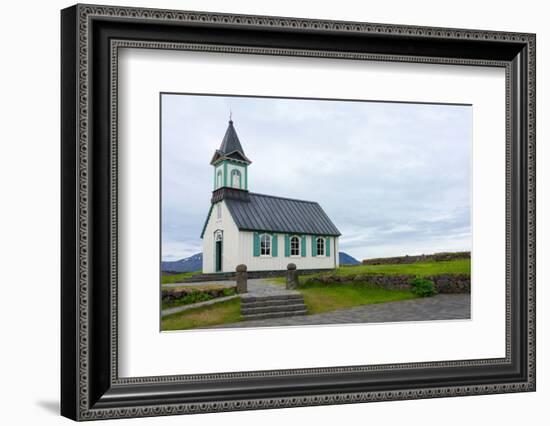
x,y
393,177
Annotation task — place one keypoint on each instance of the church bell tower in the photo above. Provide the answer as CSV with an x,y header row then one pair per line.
x,y
230,163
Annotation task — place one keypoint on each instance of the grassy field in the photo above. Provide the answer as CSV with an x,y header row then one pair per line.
x,y
321,299
420,269
176,278
324,298
318,298
220,313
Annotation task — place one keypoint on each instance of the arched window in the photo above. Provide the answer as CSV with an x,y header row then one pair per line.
x,y
219,210
219,179
294,246
235,178
320,246
265,245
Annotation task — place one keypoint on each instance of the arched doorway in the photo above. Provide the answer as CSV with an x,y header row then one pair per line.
x,y
218,250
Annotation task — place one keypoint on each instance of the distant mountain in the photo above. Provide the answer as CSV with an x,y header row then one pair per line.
x,y
194,263
346,259
189,264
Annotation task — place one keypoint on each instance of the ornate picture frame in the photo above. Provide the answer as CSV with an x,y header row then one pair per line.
x,y
91,37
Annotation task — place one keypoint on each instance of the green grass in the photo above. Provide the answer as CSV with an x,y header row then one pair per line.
x,y
220,313
176,278
321,299
420,269
324,298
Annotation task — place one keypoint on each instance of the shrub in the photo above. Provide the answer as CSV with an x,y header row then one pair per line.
x,y
188,298
423,287
228,291
178,297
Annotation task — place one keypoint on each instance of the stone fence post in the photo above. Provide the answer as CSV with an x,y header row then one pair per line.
x,y
291,276
241,278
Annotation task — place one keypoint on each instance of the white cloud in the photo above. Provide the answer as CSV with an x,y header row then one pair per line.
x,y
394,178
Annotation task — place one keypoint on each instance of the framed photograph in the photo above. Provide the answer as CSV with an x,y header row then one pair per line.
x,y
263,212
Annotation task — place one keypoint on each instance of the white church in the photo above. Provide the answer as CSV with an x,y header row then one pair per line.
x,y
264,232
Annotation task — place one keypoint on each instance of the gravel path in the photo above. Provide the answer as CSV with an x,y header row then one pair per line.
x,y
440,307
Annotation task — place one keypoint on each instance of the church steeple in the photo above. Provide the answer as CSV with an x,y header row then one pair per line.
x,y
230,162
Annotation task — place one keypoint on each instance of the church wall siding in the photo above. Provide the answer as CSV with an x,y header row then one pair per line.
x,y
238,247
268,263
230,250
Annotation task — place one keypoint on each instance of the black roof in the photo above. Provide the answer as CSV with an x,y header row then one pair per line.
x,y
231,146
259,212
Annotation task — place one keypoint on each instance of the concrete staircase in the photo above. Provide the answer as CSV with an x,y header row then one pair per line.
x,y
288,304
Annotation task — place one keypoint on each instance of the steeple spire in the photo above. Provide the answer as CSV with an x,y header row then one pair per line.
x,y
230,162
230,147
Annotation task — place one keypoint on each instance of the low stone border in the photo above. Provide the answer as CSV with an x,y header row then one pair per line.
x,y
173,292
445,283
225,276
436,257
182,308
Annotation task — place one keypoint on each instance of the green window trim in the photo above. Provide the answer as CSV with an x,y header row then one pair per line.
x,y
274,245
256,244
327,246
303,247
314,245
287,245
225,166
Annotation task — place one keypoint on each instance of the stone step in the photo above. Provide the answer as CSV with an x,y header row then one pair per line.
x,y
274,315
273,309
271,297
273,302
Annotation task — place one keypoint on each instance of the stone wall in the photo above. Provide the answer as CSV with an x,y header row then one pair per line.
x,y
224,276
436,257
445,283
172,293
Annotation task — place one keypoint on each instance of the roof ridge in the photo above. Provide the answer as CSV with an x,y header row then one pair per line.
x,y
283,198
279,214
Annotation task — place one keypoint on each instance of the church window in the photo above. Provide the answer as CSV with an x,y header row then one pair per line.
x,y
320,246
219,179
219,211
265,245
236,178
294,246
